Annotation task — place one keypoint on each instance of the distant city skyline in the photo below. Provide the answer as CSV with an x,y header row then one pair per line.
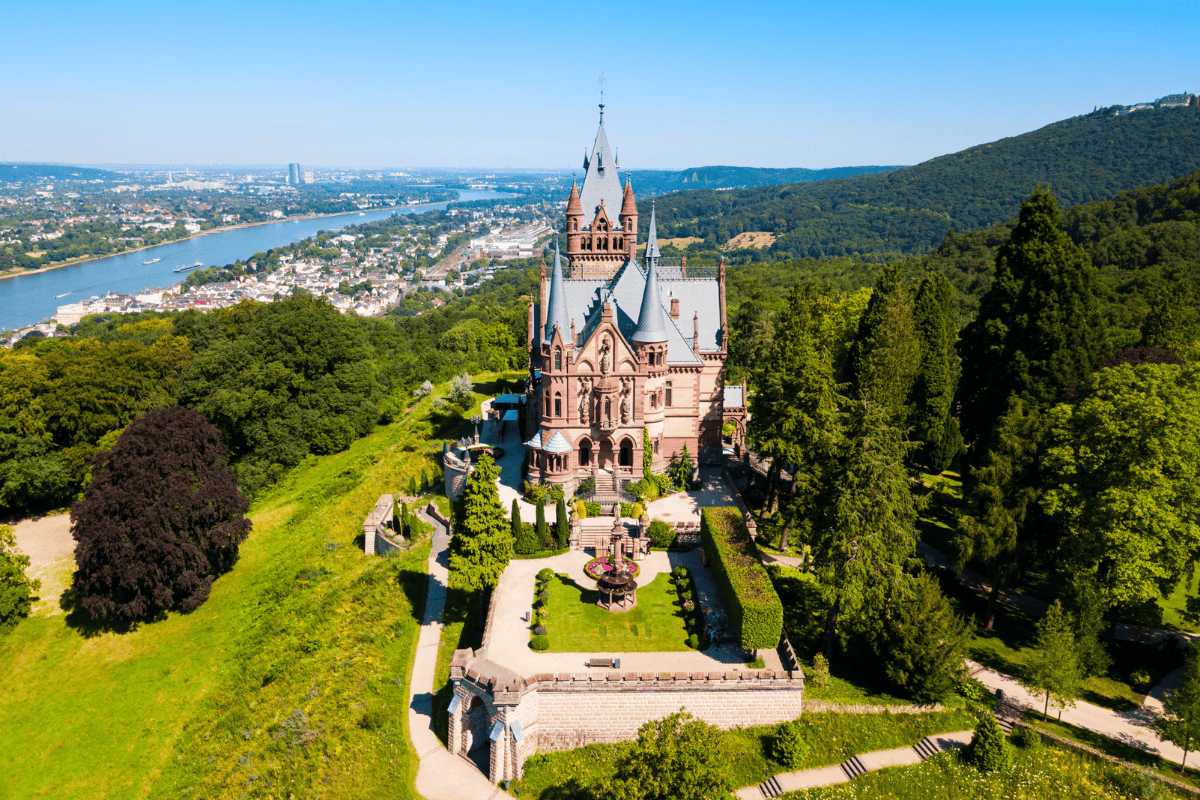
x,y
486,85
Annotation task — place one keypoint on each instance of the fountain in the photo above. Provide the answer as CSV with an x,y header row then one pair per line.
x,y
617,588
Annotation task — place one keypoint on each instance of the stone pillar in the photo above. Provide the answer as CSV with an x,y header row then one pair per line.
x,y
576,534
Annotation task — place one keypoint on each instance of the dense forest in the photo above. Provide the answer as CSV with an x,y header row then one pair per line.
x,y
910,210
651,182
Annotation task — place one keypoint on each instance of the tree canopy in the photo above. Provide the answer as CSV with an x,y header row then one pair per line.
x,y
161,519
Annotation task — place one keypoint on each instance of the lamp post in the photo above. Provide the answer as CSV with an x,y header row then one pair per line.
x,y
475,420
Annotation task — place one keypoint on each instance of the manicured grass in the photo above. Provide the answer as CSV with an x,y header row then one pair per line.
x,y
832,738
290,680
578,625
1039,774
1175,604
1114,748
936,522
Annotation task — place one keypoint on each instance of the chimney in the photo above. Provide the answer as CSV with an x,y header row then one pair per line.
x,y
675,308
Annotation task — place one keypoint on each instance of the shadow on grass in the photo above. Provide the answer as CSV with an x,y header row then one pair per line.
x,y
79,620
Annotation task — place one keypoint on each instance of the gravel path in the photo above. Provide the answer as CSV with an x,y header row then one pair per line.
x,y
51,550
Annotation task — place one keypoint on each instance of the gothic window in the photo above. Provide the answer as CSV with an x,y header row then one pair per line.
x,y
574,226
558,359
656,447
654,400
668,396
585,454
558,405
608,409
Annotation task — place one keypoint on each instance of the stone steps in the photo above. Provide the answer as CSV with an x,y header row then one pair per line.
x,y
771,787
927,748
853,767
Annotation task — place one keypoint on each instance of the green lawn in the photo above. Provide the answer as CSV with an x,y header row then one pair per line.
x,y
832,738
1175,604
290,680
1045,773
1112,747
578,625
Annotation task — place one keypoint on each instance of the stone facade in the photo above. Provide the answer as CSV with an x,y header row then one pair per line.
x,y
378,520
546,713
620,346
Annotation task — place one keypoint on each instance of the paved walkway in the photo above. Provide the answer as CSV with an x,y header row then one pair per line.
x,y
855,766
440,775
1131,727
508,645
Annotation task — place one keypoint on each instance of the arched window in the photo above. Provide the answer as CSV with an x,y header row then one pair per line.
x,y
557,405
626,457
585,453
557,359
574,226
654,400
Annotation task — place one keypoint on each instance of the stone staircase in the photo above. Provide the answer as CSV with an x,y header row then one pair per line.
x,y
927,748
853,767
771,787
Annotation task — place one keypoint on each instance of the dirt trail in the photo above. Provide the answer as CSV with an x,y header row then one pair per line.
x,y
51,550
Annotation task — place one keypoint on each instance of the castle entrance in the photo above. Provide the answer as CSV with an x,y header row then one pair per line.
x,y
605,460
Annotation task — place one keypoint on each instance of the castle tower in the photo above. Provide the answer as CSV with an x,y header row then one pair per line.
x,y
602,244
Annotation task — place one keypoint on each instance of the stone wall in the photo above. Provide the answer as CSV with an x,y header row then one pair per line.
x,y
454,475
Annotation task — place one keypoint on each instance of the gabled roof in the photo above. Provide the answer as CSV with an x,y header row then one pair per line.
x,y
601,181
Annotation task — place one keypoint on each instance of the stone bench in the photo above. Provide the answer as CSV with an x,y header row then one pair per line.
x,y
614,663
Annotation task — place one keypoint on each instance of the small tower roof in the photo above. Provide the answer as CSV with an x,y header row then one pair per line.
x,y
601,180
557,315
652,326
652,236
573,206
629,206
558,444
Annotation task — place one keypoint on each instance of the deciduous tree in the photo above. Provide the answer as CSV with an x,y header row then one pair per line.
x,y
1180,721
16,589
161,519
674,758
1053,668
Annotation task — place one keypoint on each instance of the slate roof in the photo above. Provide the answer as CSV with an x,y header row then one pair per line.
x,y
556,306
558,444
601,181
651,325
536,441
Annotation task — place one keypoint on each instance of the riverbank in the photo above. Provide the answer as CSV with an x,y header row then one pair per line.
x,y
13,273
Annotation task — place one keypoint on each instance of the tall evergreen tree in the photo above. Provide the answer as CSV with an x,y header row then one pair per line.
x,y
794,409
514,519
543,530
886,353
562,528
482,544
933,390
865,528
1039,326
1001,496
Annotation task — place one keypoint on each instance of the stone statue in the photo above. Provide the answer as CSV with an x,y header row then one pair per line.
x,y
604,364
583,407
626,406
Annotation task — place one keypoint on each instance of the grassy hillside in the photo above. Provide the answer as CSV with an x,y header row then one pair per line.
x,y
291,680
910,210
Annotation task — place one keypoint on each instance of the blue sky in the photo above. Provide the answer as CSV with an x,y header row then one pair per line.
x,y
500,84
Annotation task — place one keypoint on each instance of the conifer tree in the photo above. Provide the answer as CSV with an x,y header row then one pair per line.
x,y
924,641
989,750
562,528
482,544
933,391
886,353
515,519
1180,722
543,530
1039,326
1053,669
865,528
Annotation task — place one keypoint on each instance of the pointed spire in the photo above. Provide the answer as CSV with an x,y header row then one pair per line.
x,y
651,325
652,238
557,315
628,205
573,205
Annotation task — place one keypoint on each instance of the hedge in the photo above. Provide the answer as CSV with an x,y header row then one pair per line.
x,y
755,610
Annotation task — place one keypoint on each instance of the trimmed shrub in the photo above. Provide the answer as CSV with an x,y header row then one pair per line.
x,y
989,751
757,663
626,510
662,535
539,631
686,594
819,674
693,642
755,610
545,574
540,642
593,509
1027,738
789,748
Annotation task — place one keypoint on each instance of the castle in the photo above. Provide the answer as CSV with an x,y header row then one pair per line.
x,y
623,346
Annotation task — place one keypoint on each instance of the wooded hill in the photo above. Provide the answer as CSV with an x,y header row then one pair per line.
x,y
910,210
24,173
650,182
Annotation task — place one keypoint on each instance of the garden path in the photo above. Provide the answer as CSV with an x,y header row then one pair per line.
x,y
1131,727
441,775
854,766
508,642
510,466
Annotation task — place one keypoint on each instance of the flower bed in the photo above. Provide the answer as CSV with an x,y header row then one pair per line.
x,y
598,566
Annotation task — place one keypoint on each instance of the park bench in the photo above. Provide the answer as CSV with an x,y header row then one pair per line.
x,y
615,663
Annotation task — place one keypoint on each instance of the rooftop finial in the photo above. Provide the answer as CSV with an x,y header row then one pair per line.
x,y
600,80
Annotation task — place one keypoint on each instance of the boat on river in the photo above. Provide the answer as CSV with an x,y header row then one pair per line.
x,y
186,268
64,294
152,261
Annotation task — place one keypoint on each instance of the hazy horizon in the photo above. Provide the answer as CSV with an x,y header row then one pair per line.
x,y
778,85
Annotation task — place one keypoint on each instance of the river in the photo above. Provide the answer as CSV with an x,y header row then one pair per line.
x,y
26,299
